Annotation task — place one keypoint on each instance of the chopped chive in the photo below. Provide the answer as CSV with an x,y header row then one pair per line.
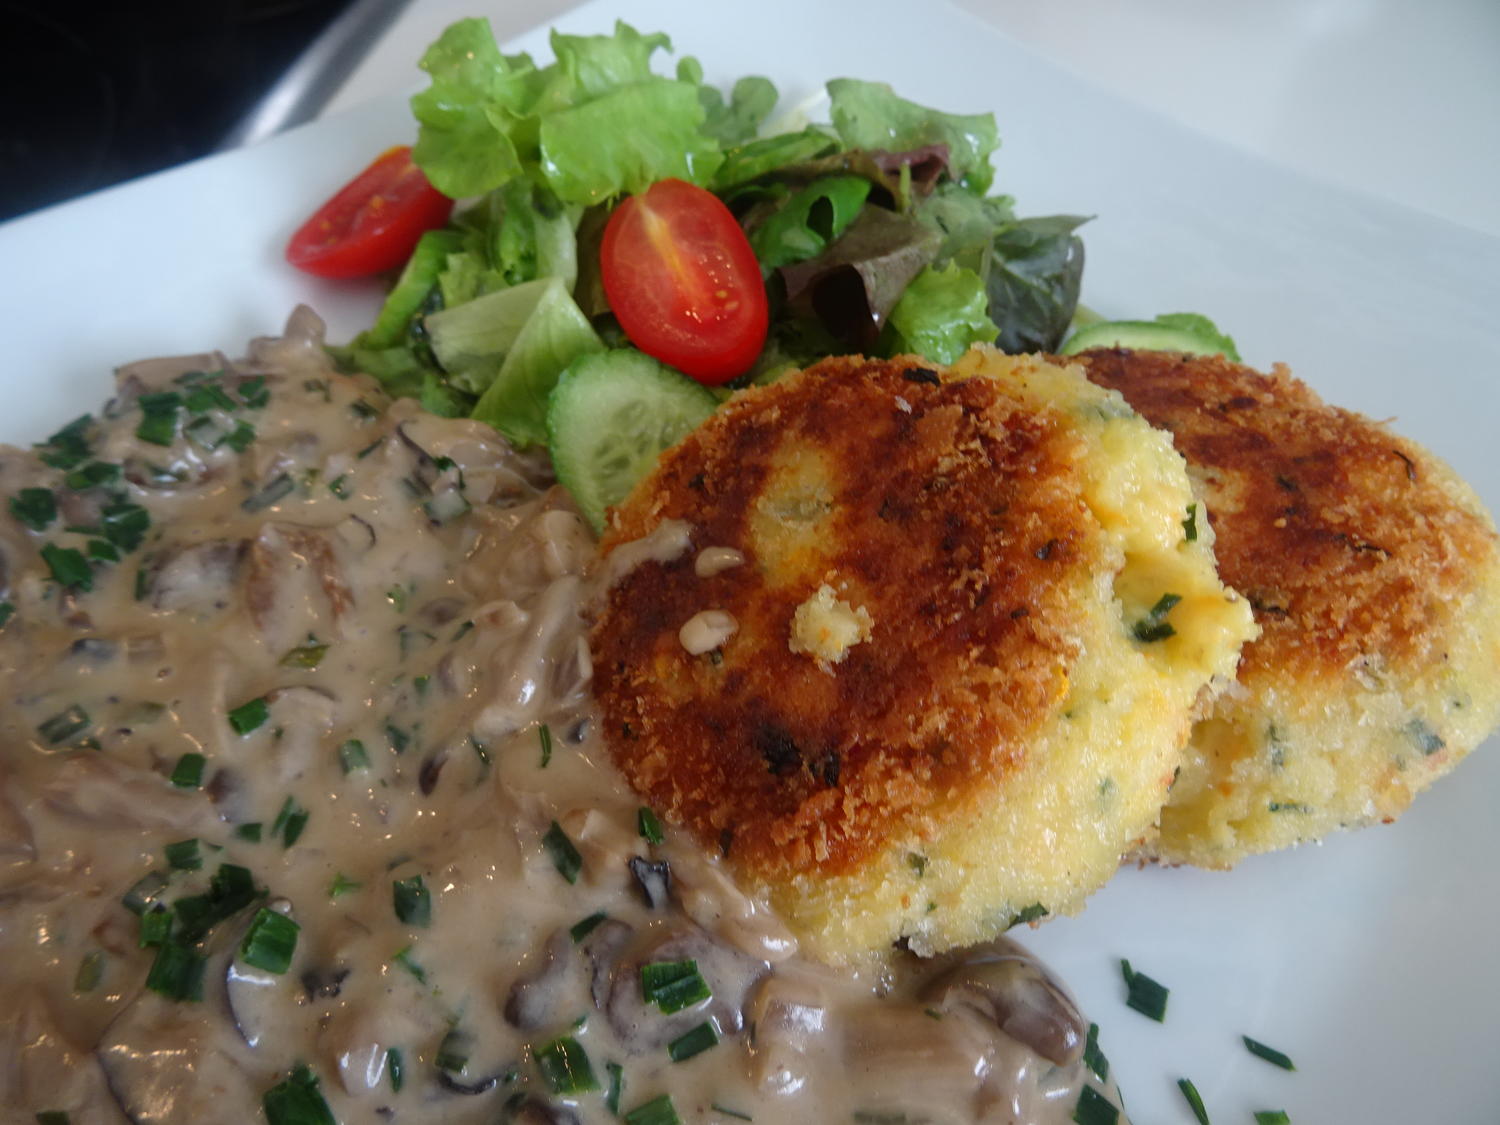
x,y
231,889
1190,525
397,737
307,656
7,611
68,566
1144,994
250,715
250,831
53,1117
1270,1054
147,889
184,855
352,756
648,826
727,1112
268,494
673,985
156,927
1272,1117
397,1067
616,1074
90,972
342,885
544,735
658,1111
1033,913
124,524
297,1101
207,396
290,822
240,438
102,550
463,630
159,417
693,1042
396,595
253,392
421,684
369,449
565,1066
177,972
363,410
1194,1100
403,958
1094,1108
453,1051
188,772
917,862
35,507
412,901
339,486
65,726
1288,806
69,446
270,942
92,475
564,855
582,929
1154,626
1093,1057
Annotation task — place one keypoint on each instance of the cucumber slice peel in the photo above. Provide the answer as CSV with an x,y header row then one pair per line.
x,y
1170,332
610,417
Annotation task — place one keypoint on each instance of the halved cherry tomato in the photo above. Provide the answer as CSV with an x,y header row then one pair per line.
x,y
683,281
373,223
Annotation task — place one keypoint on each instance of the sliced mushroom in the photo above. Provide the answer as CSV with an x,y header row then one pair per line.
x,y
39,1067
527,1109
540,998
642,1027
110,794
902,1061
789,1018
152,1045
1001,983
194,578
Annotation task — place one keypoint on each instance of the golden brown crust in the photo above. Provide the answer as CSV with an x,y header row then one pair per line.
x,y
949,511
1342,535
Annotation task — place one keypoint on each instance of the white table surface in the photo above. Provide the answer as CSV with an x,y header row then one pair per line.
x,y
1397,99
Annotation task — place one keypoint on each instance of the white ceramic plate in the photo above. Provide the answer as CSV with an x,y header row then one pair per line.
x,y
1368,959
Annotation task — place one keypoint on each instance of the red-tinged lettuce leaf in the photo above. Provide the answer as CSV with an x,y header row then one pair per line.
x,y
1032,278
869,115
852,286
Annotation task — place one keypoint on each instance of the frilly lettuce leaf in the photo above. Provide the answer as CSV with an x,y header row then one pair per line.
x,y
870,115
941,313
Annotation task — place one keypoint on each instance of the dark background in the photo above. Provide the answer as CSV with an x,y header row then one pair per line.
x,y
98,93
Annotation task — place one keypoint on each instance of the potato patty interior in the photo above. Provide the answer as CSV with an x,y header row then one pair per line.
x,y
968,635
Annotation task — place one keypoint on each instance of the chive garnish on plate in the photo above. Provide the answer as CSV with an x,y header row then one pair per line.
x,y
158,423
68,567
249,716
35,507
544,736
1272,1117
1094,1108
396,1065
1194,1100
586,926
184,855
1144,994
1093,1057
1154,626
1270,1054
188,772
177,972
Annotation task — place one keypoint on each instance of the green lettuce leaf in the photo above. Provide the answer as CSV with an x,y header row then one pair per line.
x,y
465,144
941,313
554,336
809,220
870,115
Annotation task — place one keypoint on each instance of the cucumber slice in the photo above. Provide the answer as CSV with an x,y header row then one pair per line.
x,y
610,417
1170,332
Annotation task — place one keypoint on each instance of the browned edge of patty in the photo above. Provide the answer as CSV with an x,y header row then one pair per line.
x,y
957,523
1336,530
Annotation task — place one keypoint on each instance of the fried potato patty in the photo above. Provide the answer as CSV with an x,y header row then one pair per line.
x,y
930,658
1373,573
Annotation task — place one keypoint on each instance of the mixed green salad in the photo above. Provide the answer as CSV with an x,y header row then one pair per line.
x,y
602,207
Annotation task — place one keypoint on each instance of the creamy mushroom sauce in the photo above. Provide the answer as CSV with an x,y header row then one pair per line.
x,y
326,654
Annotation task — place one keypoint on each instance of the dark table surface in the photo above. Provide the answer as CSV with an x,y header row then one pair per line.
x,y
97,93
